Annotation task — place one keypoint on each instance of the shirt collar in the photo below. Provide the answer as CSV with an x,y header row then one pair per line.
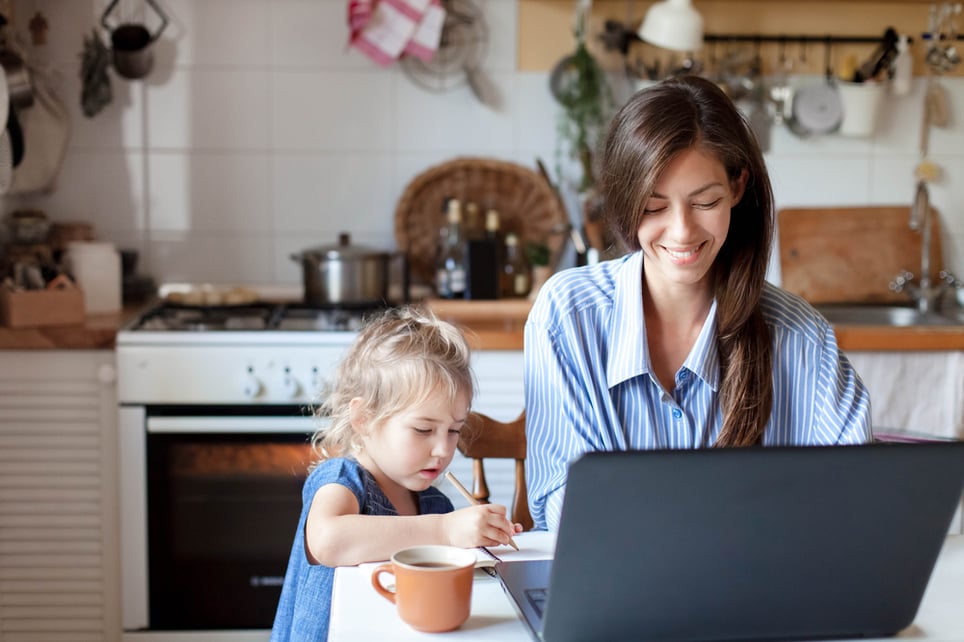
x,y
628,350
703,360
628,353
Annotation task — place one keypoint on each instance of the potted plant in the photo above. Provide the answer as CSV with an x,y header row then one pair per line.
x,y
579,85
538,255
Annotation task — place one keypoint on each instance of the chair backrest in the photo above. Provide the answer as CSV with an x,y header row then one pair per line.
x,y
486,438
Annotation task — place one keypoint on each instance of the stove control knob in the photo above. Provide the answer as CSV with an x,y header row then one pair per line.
x,y
290,387
252,385
317,382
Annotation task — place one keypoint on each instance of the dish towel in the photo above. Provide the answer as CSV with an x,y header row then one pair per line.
x,y
384,30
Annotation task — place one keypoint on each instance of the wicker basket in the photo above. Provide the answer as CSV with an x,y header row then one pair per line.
x,y
526,203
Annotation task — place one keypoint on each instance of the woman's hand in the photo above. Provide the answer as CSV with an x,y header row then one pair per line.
x,y
481,525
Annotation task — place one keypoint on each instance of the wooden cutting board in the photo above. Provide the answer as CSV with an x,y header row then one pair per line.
x,y
851,254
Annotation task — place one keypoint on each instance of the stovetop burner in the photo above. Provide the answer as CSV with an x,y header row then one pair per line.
x,y
306,318
167,317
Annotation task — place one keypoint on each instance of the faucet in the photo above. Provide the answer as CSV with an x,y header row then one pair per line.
x,y
925,295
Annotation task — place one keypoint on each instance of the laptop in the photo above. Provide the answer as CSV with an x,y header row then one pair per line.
x,y
782,543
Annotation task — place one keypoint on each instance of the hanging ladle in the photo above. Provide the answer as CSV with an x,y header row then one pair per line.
x,y
131,43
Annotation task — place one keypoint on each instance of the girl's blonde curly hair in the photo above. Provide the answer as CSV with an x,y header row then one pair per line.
x,y
400,358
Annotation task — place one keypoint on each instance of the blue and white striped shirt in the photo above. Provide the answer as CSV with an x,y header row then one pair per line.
x,y
589,383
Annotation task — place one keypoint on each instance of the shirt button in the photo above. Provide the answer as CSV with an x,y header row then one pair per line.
x,y
677,413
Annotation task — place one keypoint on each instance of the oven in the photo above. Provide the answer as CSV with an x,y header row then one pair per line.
x,y
215,421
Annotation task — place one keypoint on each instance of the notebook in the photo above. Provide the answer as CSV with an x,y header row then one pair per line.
x,y
742,544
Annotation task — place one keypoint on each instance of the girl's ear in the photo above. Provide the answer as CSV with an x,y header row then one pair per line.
x,y
358,415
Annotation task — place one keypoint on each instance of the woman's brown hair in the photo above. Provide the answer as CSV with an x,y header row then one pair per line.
x,y
644,137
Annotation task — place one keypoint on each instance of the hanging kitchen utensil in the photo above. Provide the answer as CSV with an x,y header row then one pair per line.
x,y
6,163
131,42
817,108
46,132
4,98
17,79
15,132
458,59
96,91
780,95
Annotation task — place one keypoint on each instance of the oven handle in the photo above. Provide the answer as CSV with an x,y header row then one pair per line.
x,y
228,425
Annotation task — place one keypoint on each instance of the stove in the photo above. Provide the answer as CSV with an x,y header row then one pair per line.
x,y
263,353
217,404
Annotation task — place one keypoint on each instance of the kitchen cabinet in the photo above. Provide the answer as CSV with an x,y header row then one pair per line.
x,y
920,391
58,511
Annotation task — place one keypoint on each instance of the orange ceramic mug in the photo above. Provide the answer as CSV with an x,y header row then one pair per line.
x,y
433,586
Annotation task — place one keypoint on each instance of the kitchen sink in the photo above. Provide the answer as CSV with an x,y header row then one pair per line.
x,y
888,315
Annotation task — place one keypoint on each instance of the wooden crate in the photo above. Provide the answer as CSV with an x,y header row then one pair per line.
x,y
34,308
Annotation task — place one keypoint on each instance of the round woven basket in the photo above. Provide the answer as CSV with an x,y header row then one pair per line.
x,y
526,203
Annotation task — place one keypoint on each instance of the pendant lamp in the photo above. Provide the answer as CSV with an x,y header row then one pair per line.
x,y
673,24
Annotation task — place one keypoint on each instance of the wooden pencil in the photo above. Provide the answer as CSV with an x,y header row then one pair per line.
x,y
465,493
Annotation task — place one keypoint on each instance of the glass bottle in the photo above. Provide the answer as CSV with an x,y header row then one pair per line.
x,y
472,223
494,236
515,269
451,268
492,223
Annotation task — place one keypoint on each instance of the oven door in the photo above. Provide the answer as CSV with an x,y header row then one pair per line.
x,y
219,508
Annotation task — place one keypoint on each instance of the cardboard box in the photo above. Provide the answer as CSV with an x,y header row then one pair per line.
x,y
35,308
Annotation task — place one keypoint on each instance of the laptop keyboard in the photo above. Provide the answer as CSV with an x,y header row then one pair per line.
x,y
537,599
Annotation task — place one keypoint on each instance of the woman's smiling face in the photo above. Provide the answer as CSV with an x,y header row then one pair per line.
x,y
686,219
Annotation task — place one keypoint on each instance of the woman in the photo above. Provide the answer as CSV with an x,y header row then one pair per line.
x,y
681,343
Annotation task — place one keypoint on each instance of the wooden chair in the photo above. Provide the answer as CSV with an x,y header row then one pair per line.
x,y
486,438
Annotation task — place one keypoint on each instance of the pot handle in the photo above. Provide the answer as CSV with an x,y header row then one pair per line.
x,y
301,258
151,3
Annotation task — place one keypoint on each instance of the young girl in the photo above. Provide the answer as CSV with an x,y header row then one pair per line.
x,y
400,397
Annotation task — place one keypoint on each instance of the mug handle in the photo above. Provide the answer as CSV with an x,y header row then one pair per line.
x,y
376,582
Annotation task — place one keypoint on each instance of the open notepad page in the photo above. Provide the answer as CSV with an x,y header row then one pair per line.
x,y
533,545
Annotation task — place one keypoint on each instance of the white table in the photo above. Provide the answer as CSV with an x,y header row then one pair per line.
x,y
358,613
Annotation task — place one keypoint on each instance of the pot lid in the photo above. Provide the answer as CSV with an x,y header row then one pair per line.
x,y
343,251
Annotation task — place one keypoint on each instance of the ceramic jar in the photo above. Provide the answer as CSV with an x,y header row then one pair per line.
x,y
96,267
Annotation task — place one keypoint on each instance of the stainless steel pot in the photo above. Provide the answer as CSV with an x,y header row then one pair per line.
x,y
344,274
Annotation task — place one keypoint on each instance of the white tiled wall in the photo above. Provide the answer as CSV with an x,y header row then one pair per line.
x,y
259,134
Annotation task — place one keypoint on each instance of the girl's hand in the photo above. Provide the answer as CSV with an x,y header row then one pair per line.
x,y
482,525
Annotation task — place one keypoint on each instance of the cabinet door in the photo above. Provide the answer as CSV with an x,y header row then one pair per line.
x,y
914,391
58,513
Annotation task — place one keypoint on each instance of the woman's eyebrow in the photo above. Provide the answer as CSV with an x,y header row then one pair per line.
x,y
698,190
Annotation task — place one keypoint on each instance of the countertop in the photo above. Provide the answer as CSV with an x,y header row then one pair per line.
x,y
490,325
498,325
98,332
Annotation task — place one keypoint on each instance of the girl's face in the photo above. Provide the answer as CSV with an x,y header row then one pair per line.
x,y
686,220
412,448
